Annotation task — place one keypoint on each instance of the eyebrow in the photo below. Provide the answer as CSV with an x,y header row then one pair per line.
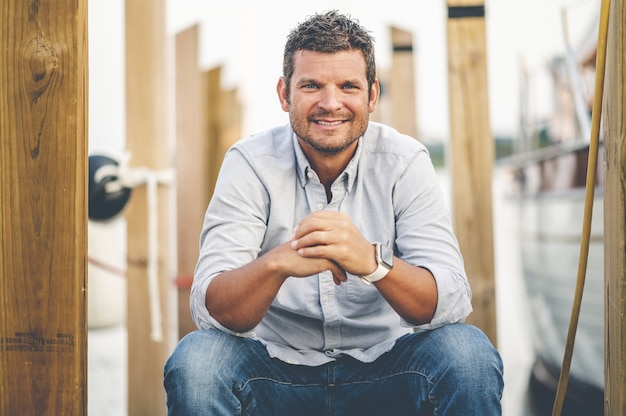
x,y
307,81
353,81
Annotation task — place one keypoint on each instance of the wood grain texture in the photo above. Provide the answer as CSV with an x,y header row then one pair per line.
x,y
150,144
192,165
472,153
43,207
614,129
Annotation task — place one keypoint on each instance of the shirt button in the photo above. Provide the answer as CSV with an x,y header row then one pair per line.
x,y
320,206
309,174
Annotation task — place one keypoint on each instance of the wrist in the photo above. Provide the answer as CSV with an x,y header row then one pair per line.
x,y
275,264
384,264
372,263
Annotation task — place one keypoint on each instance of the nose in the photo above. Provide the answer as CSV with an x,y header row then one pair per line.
x,y
330,98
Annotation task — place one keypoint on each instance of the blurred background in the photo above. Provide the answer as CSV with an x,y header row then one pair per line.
x,y
245,39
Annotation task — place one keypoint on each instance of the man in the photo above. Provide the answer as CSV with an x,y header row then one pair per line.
x,y
329,280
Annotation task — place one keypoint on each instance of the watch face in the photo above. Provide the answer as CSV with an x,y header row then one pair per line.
x,y
386,255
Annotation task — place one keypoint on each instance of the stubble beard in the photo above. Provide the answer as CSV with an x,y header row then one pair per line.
x,y
328,147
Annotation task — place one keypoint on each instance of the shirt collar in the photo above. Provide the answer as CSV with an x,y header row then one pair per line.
x,y
303,165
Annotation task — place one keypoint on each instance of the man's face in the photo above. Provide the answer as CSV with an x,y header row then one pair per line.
x,y
329,102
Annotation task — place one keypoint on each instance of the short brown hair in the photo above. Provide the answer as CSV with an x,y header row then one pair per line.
x,y
330,32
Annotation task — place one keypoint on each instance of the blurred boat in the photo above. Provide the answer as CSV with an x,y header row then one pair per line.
x,y
549,188
547,182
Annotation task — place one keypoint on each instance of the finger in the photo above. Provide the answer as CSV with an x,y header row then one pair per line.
x,y
315,251
319,238
318,221
339,275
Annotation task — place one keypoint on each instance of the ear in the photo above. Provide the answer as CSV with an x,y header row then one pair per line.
x,y
374,95
281,89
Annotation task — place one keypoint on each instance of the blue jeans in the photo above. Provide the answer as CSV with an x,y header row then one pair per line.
x,y
452,370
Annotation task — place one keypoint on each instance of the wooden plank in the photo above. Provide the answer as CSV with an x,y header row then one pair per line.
x,y
402,82
43,207
147,139
614,125
230,122
192,166
223,121
213,91
472,155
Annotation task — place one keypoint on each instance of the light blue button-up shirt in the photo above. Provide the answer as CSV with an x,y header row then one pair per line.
x,y
389,189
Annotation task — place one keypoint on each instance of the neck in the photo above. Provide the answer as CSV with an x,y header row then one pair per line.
x,y
328,166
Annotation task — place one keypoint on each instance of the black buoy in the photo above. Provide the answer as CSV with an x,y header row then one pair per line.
x,y
105,204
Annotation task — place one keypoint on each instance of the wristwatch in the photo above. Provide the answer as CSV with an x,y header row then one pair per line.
x,y
384,258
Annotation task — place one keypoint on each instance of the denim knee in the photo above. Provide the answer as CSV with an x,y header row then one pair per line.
x,y
468,352
472,376
482,357
200,370
198,352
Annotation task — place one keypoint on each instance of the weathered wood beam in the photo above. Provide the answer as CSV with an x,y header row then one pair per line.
x,y
402,83
472,153
43,207
149,143
614,126
192,165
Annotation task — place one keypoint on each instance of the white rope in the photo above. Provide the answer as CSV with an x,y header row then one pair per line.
x,y
153,266
131,178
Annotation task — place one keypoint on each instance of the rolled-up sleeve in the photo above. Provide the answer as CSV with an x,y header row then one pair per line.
x,y
232,233
425,238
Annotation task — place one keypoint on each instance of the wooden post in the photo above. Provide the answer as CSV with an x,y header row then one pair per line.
x,y
208,123
402,83
192,166
614,125
43,207
472,155
147,139
213,93
230,123
223,121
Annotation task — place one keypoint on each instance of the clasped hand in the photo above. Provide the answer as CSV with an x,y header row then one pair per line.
x,y
330,241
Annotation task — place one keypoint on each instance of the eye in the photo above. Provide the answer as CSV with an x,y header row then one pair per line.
x,y
309,86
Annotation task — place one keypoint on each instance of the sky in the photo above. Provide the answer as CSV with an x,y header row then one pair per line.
x,y
246,38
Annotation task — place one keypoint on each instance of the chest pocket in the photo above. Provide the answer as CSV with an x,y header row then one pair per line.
x,y
360,292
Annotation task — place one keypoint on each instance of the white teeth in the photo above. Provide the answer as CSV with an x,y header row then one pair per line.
x,y
329,123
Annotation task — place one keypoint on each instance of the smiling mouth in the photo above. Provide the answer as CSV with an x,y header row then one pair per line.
x,y
328,123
